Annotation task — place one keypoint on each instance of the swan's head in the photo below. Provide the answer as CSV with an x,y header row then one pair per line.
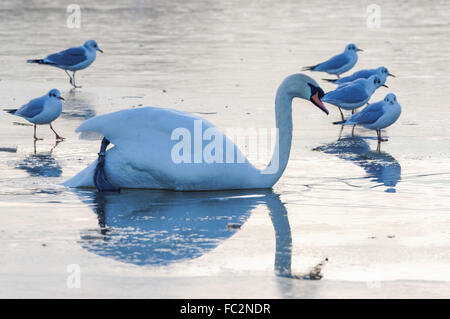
x,y
304,87
92,45
55,94
352,48
384,71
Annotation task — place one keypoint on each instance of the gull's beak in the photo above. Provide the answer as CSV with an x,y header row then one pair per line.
x,y
315,99
390,74
385,86
61,98
101,51
360,50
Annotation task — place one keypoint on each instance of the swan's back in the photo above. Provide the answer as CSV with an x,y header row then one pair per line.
x,y
143,152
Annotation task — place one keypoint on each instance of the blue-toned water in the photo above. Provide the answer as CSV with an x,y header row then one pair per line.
x,y
380,217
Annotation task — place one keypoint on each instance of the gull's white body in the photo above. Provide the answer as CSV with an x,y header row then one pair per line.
x,y
42,110
142,152
354,94
73,59
340,63
382,72
378,115
337,69
90,56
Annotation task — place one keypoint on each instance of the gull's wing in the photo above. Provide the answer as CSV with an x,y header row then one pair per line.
x,y
69,57
350,93
32,108
334,63
368,115
362,74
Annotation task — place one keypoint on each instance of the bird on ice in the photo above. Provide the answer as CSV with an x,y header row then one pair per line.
x,y
362,74
41,110
377,116
354,94
73,59
338,64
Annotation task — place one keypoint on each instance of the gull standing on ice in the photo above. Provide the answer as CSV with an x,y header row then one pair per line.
x,y
362,74
73,59
41,110
377,116
338,64
354,94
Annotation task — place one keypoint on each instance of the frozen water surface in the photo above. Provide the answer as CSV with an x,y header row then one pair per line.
x,y
381,218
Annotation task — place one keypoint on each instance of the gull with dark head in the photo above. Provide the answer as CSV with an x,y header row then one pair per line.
x,y
41,110
354,94
377,116
338,64
362,74
73,59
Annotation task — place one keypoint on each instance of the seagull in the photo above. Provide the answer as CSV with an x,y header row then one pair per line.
x,y
354,94
73,59
377,116
338,64
362,74
41,110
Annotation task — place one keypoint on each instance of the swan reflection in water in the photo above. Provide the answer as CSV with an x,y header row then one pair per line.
x,y
380,167
148,227
40,164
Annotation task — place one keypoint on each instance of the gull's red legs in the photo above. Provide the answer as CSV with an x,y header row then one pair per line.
x,y
56,134
379,137
35,137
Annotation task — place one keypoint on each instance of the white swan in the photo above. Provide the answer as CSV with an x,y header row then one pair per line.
x,y
143,146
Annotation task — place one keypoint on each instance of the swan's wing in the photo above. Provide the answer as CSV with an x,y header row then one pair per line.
x,y
351,93
69,57
145,153
138,124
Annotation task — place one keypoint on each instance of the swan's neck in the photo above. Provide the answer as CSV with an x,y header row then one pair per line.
x,y
280,157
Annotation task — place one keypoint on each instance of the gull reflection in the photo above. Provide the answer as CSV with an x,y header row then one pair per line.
x,y
148,227
380,167
40,164
77,106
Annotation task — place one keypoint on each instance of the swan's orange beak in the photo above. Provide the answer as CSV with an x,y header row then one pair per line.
x,y
315,99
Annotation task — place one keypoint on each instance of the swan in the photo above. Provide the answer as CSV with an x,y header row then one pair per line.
x,y
142,156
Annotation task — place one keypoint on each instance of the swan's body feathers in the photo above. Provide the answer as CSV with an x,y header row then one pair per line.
x,y
142,153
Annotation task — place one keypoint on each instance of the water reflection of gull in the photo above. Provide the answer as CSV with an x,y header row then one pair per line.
x,y
77,106
40,164
148,227
380,167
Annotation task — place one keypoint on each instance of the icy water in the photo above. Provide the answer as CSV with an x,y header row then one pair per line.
x,y
381,218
